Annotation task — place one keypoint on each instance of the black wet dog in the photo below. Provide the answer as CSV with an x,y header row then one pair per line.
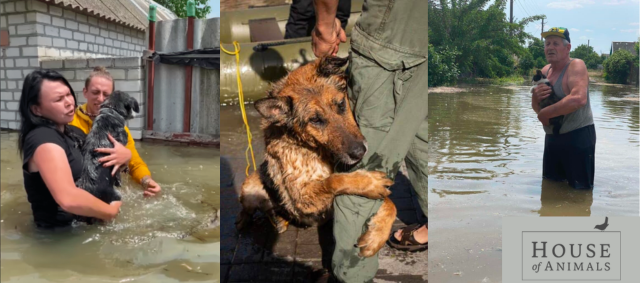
x,y
540,78
96,179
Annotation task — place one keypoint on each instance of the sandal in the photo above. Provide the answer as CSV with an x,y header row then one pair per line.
x,y
407,241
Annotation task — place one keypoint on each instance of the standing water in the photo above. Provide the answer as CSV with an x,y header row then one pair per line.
x,y
171,237
485,162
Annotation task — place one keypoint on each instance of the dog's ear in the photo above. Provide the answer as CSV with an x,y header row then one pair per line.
x,y
134,105
331,65
274,109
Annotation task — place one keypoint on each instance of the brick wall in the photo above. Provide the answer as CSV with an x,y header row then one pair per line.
x,y
126,72
38,31
18,59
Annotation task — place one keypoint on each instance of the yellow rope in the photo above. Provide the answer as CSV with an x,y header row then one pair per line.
x,y
244,113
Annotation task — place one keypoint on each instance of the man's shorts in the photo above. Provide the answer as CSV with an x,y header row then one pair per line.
x,y
571,157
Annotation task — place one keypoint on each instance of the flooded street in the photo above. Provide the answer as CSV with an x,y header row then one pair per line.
x,y
167,238
485,162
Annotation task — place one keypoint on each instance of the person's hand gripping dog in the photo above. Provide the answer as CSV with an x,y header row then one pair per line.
x,y
117,156
539,93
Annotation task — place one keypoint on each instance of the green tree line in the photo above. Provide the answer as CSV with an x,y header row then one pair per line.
x,y
476,38
617,68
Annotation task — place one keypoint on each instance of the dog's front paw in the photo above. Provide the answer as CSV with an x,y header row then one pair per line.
x,y
376,184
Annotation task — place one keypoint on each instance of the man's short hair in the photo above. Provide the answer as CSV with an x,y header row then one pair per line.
x,y
564,40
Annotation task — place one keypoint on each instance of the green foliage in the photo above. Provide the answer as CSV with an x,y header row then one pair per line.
x,y
636,62
603,57
540,63
618,66
479,30
536,49
442,67
526,63
581,52
588,55
592,61
179,7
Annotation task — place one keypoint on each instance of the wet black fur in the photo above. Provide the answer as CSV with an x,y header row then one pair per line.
x,y
95,178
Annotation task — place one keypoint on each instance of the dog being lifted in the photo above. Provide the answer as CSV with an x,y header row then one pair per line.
x,y
309,129
97,179
538,79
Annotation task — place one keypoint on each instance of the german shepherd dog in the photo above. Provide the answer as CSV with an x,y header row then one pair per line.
x,y
540,78
309,129
96,179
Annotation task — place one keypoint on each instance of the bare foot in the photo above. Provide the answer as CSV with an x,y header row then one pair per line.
x,y
421,235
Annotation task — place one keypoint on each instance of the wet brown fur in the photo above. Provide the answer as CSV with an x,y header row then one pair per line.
x,y
308,128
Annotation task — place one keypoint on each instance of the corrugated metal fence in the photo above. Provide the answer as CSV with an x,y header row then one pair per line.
x,y
170,81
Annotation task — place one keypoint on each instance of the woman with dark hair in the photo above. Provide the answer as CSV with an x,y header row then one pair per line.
x,y
52,160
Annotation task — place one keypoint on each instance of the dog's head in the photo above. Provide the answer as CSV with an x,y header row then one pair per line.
x,y
539,78
311,103
122,103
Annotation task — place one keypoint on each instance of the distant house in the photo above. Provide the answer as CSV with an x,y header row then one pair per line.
x,y
615,46
37,30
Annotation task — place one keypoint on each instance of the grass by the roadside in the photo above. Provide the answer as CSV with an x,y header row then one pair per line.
x,y
510,80
595,73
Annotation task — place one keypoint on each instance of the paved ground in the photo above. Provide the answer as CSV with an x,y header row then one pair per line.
x,y
263,255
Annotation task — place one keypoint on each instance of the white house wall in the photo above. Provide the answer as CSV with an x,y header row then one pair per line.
x,y
38,31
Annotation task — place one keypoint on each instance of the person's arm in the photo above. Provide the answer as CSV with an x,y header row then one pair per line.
x,y
577,83
328,33
51,161
326,11
139,170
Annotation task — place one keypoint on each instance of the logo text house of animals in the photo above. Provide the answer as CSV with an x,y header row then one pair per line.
x,y
572,255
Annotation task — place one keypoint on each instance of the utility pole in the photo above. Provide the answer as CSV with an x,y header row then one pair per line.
x,y
542,28
511,21
588,42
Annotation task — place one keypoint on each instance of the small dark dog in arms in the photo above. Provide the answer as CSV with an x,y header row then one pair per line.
x,y
310,130
540,78
97,179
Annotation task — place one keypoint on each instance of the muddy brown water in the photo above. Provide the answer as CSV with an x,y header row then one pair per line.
x,y
485,162
168,238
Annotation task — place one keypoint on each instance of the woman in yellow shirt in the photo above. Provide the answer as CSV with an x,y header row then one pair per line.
x,y
98,86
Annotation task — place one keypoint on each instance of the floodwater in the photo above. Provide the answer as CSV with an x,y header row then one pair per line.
x,y
167,238
485,162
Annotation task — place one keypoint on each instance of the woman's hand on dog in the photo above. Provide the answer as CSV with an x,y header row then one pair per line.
x,y
151,188
117,156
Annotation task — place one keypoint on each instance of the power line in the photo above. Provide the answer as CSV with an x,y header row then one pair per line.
x,y
523,9
534,9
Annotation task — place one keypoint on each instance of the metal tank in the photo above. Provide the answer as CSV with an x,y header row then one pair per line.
x,y
262,63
